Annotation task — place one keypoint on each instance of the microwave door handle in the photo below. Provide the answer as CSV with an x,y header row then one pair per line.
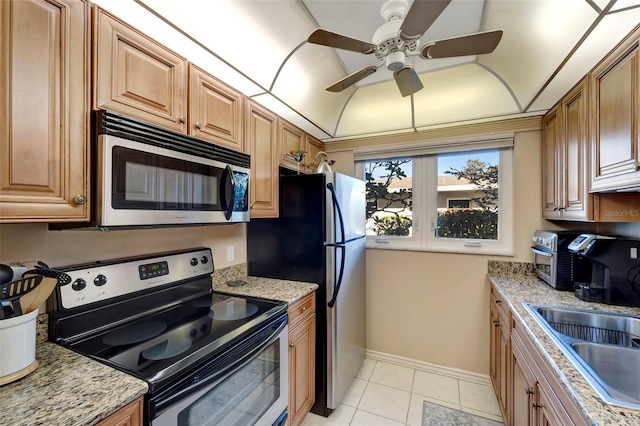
x,y
228,194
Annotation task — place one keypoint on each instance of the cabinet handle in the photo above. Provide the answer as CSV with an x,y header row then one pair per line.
x,y
496,324
198,125
304,308
80,199
182,119
498,302
535,406
561,208
291,345
529,391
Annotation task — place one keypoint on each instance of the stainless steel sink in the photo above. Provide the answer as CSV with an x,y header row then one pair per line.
x,y
603,346
593,326
617,368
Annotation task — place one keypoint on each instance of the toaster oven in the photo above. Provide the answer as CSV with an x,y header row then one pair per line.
x,y
554,263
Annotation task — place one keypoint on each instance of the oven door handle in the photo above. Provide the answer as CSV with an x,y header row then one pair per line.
x,y
225,372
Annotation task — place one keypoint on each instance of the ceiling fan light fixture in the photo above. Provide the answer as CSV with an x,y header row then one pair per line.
x,y
395,60
408,81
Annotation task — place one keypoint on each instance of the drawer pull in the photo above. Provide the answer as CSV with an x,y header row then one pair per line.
x,y
498,302
304,308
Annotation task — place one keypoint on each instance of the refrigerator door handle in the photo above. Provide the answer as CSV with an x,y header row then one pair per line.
x,y
336,286
336,206
338,245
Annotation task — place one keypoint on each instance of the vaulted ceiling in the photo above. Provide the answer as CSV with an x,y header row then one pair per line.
x,y
259,47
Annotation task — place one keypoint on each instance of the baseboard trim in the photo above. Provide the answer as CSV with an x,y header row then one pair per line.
x,y
455,373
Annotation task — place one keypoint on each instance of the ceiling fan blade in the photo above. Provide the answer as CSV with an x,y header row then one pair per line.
x,y
351,79
421,15
331,39
470,44
407,80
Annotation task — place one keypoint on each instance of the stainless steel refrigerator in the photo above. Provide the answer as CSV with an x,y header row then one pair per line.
x,y
320,237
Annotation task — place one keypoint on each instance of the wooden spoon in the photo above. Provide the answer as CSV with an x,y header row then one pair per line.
x,y
36,297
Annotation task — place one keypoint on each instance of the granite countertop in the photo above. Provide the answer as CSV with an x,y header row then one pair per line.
x,y
263,288
518,289
67,389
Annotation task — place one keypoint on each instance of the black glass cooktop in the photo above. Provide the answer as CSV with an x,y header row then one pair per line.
x,y
176,338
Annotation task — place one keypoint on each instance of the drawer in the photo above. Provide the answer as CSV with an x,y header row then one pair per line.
x,y
498,302
301,309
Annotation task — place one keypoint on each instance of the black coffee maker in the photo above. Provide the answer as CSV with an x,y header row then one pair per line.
x,y
615,269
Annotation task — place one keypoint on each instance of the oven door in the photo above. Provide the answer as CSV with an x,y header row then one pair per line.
x,y
545,264
247,384
141,184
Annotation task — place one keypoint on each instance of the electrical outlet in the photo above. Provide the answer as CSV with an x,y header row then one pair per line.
x,y
230,254
633,253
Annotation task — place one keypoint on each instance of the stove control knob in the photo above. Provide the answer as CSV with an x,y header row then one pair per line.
x,y
194,261
100,280
79,284
204,260
193,333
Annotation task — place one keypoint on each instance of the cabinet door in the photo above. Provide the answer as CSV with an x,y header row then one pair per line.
x,y
131,415
314,146
302,342
615,102
215,110
292,139
523,388
576,202
550,173
44,128
262,144
136,76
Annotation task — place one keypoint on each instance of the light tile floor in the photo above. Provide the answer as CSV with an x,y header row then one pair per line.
x,y
387,394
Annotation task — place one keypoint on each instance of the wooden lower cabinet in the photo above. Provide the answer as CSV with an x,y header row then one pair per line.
x,y
131,415
528,392
302,353
500,352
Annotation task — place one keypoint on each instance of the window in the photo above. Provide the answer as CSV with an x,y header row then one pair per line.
x,y
454,203
457,201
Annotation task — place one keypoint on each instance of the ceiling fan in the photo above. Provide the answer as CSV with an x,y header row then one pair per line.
x,y
399,38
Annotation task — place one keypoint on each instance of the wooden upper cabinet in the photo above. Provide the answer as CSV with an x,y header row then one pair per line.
x,y
44,129
215,110
261,137
292,139
615,103
565,159
550,163
577,203
136,76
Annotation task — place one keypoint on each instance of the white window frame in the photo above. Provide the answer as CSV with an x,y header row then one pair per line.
x,y
424,214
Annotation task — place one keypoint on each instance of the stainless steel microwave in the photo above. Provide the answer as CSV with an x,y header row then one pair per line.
x,y
148,176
